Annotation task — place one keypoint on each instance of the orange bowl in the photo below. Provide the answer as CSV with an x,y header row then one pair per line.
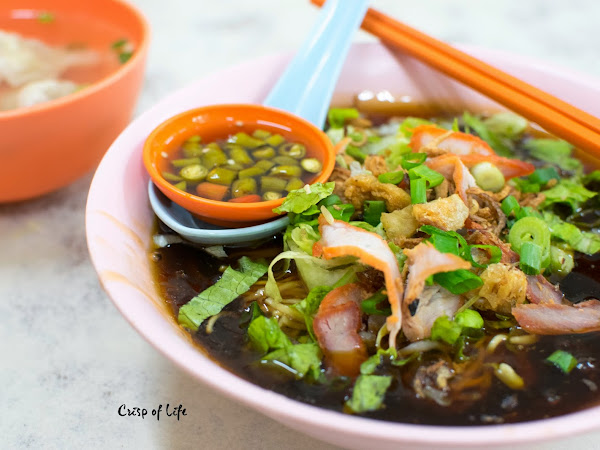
x,y
47,146
216,122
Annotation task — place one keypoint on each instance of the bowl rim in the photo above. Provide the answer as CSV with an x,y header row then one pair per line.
x,y
291,411
150,162
137,58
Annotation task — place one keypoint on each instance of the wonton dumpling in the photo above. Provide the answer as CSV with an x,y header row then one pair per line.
x,y
37,92
25,60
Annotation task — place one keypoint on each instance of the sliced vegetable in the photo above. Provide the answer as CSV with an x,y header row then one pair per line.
x,y
488,177
337,117
246,140
432,177
458,281
311,165
230,286
553,151
531,258
568,192
252,198
371,304
220,175
372,211
418,191
356,153
412,160
300,200
310,305
563,360
391,177
368,393
212,191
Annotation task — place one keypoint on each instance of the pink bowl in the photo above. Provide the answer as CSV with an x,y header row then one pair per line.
x,y
119,222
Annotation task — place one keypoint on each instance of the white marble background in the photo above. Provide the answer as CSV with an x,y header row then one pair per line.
x,y
68,359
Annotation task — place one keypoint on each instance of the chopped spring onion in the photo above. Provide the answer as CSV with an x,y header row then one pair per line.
x,y
337,117
356,153
510,205
418,191
446,330
533,230
372,211
494,251
432,177
531,258
488,177
529,229
331,200
543,176
469,318
369,305
392,177
341,212
412,160
458,281
563,360
561,260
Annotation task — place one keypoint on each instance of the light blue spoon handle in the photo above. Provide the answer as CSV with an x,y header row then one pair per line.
x,y
306,86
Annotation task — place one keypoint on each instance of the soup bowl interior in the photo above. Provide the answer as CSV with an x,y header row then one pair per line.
x,y
49,145
119,224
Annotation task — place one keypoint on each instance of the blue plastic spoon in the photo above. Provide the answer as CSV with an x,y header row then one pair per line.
x,y
305,89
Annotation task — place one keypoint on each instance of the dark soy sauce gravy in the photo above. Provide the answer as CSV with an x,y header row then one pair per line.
x,y
182,270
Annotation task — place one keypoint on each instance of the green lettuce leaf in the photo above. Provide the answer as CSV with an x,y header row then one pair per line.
x,y
300,359
309,306
313,271
265,334
592,180
400,147
554,151
569,192
303,235
583,241
501,145
506,124
368,393
303,360
337,117
230,286
301,200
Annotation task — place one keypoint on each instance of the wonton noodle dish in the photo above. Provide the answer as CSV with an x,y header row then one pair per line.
x,y
445,274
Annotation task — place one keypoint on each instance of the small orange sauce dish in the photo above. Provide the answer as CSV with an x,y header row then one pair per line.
x,y
217,122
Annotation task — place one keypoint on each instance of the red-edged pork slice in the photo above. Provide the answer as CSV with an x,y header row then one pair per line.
x,y
336,327
452,168
540,290
552,318
342,239
470,149
453,142
423,261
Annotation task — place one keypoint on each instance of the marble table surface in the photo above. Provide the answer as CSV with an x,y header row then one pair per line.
x,y
69,360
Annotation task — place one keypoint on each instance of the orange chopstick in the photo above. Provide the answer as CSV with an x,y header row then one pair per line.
x,y
556,116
